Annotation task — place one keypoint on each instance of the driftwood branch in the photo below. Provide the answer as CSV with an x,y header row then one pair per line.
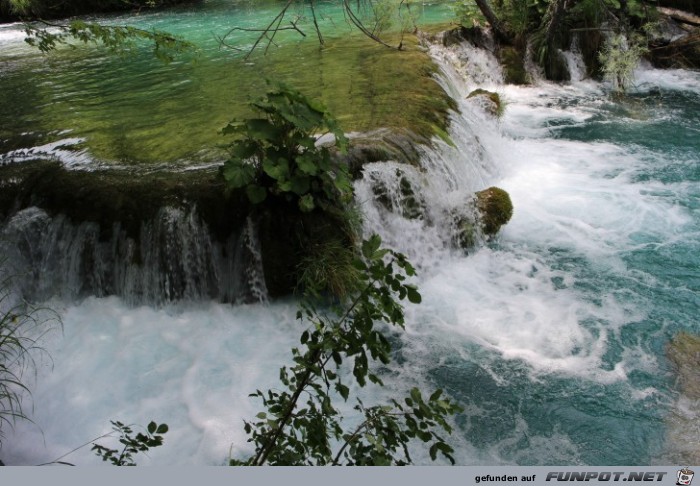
x,y
680,16
269,32
349,14
318,30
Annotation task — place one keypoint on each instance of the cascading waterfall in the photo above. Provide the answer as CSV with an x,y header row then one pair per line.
x,y
175,259
418,210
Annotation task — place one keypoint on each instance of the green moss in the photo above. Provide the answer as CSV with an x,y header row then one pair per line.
x,y
511,60
109,197
443,135
497,105
495,208
684,353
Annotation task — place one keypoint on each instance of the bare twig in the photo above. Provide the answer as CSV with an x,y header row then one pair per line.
x,y
318,30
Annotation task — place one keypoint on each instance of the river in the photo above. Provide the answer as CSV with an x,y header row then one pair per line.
x,y
553,336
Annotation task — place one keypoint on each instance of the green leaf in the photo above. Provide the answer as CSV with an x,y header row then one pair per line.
x,y
307,164
238,174
433,451
278,170
306,203
370,246
413,296
416,396
256,194
262,128
152,427
300,184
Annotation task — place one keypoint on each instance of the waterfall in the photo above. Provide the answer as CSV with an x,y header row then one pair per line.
x,y
426,211
175,258
575,62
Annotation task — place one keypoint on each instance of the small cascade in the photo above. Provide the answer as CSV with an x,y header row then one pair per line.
x,y
174,259
575,62
429,210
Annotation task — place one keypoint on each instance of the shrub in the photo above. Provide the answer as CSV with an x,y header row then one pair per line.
x,y
276,156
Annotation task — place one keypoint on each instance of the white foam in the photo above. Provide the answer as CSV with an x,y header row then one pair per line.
x,y
192,369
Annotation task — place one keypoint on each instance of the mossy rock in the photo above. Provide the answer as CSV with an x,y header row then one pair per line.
x,y
513,64
495,209
684,353
492,102
464,235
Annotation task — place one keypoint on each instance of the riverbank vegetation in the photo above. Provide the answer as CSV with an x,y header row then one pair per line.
x,y
612,35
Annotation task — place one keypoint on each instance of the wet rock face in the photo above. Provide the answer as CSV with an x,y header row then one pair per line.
x,y
681,422
495,208
513,64
684,353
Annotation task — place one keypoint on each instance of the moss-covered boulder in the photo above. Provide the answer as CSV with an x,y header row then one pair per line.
x,y
495,209
513,63
490,101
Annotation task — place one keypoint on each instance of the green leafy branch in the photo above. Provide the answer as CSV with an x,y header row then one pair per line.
x,y
301,425
118,38
131,444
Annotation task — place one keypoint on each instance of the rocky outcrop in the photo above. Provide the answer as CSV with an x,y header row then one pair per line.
x,y
683,428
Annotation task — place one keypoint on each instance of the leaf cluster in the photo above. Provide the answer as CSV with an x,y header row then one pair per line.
x,y
131,444
302,426
276,155
117,38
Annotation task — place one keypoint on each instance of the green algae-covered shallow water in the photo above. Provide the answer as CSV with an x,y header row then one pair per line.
x,y
88,106
568,340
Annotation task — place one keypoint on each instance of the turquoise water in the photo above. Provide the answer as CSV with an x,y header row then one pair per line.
x,y
89,107
602,269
